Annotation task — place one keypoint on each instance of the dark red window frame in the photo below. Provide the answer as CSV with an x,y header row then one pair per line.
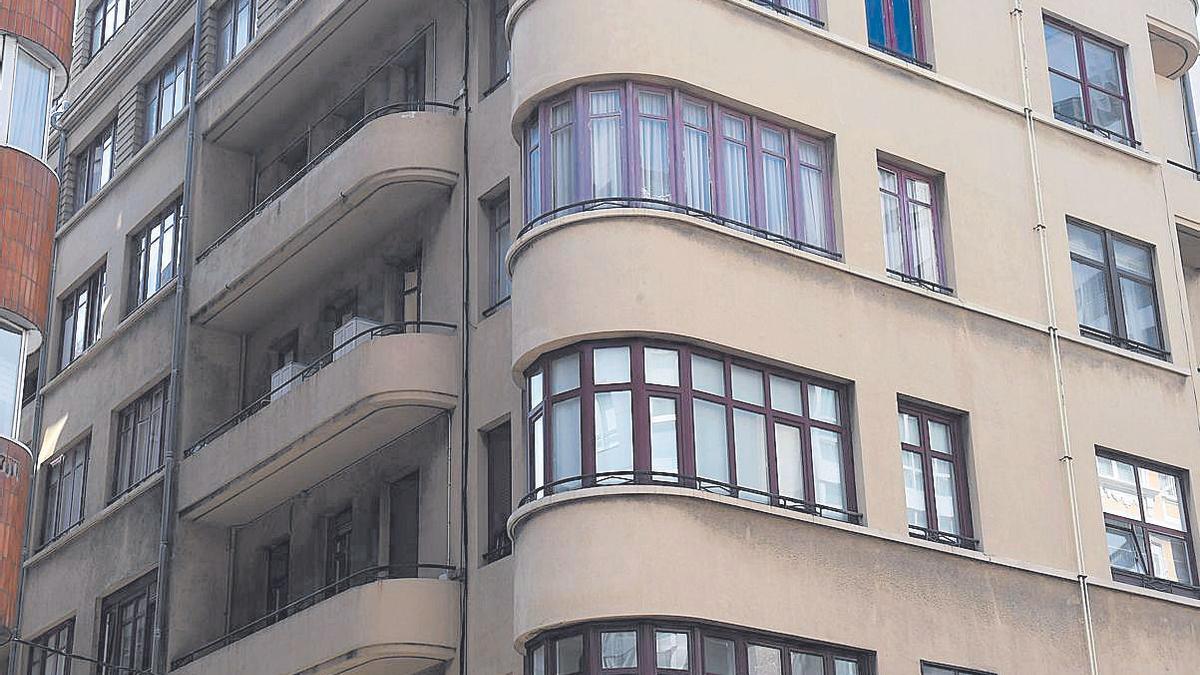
x,y
1086,85
544,645
684,395
908,228
957,459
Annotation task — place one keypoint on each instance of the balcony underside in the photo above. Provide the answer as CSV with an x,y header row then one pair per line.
x,y
357,404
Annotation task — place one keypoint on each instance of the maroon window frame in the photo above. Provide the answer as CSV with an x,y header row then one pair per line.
x,y
61,638
1140,531
889,42
542,653
545,478
909,269
925,449
542,204
141,439
1088,87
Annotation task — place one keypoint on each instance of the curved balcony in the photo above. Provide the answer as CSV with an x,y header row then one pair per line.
x,y
357,397
28,192
1174,40
394,163
372,623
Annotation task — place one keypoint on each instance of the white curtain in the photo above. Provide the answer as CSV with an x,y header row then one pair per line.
x,y
814,213
712,452
789,461
697,157
606,143
736,170
893,237
775,192
614,432
655,142
750,450
805,7
31,92
562,155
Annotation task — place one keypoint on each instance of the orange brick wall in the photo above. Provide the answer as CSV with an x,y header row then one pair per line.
x,y
46,22
28,190
15,468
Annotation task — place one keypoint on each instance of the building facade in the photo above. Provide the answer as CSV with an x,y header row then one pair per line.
x,y
690,337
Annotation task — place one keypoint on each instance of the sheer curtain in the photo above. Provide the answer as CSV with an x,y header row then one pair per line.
x,y
654,133
893,237
562,154
697,156
814,213
605,107
533,174
735,167
31,99
924,240
775,182
806,7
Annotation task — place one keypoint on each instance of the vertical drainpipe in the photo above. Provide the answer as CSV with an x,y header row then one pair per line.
x,y
158,654
465,323
1067,459
1189,108
39,401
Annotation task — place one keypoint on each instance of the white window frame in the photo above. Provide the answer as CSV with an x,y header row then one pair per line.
x,y
9,46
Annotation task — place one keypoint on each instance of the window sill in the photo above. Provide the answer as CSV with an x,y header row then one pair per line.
x,y
1084,341
88,524
1139,584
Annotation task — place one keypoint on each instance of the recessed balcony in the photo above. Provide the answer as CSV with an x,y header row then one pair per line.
x,y
365,392
368,624
388,171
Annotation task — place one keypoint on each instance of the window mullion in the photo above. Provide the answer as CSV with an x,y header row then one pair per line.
x,y
587,416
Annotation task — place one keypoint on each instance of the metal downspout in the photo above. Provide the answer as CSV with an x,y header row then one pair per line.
x,y
464,395
39,400
158,654
1067,459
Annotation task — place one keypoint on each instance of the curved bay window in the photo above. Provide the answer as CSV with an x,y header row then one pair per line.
x,y
641,648
638,411
648,146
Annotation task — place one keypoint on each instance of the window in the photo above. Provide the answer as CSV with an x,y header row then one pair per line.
x,y
82,317
127,627
897,28
499,491
337,549
167,93
501,240
66,476
808,10
12,348
912,229
1146,523
235,29
498,42
278,571
153,253
643,648
652,147
141,435
107,16
935,476
25,96
42,661
1088,82
94,165
1115,289
671,414
934,669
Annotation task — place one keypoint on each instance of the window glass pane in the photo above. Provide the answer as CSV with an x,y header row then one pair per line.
x,y
944,496
1061,50
1132,258
924,243
763,660
844,667
614,431
606,143
775,182
823,404
910,429
935,670
618,650
30,105
535,390
539,453
662,367
564,374
1160,499
1169,556
1123,553
569,655
712,449
892,231
654,136
1091,297
562,155
735,167
1103,66
905,27
814,196
1086,242
719,657
1118,493
697,156
827,468
789,462
747,385
1141,313
939,437
708,375
1108,112
611,365
785,395
807,664
1068,98
671,650
664,437
876,23
567,459
750,449
10,381
914,489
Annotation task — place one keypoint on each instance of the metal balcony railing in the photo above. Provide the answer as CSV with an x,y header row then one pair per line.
x,y
360,578
321,362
